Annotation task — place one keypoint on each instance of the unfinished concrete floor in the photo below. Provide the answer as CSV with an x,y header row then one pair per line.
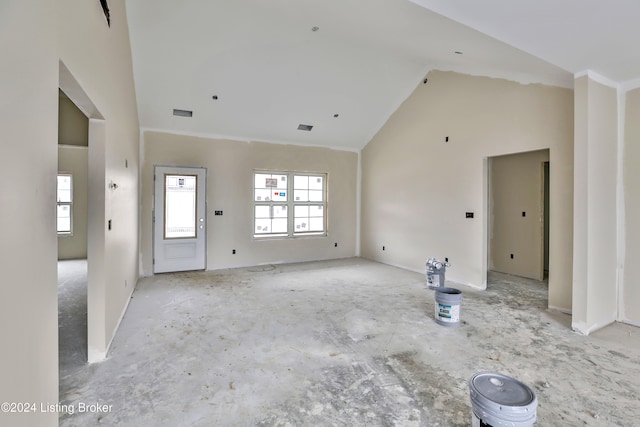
x,y
72,315
345,343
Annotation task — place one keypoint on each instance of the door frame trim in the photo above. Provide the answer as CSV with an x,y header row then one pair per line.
x,y
153,212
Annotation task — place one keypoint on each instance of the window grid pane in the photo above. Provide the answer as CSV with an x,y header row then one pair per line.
x,y
270,187
64,218
270,219
309,219
315,183
273,205
301,195
64,208
315,196
64,188
309,216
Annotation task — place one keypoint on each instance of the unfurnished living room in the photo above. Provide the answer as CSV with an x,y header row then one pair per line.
x,y
226,213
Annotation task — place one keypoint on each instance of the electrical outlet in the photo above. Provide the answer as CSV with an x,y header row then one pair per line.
x,y
218,212
109,224
233,251
335,245
511,256
383,248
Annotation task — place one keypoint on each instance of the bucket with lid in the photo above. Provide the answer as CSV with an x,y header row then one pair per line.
x,y
498,400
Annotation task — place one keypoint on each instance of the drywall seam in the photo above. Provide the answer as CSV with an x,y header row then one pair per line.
x,y
141,272
520,78
358,202
620,206
244,139
486,226
422,79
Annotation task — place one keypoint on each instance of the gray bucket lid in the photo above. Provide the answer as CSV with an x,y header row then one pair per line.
x,y
500,400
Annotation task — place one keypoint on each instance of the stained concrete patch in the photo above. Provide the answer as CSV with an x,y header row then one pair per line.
x,y
441,398
347,395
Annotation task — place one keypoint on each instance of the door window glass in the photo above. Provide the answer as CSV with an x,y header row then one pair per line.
x,y
180,206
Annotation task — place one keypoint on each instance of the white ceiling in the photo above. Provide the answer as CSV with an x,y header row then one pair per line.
x,y
272,72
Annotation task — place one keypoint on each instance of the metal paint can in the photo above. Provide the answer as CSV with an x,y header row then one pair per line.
x,y
447,306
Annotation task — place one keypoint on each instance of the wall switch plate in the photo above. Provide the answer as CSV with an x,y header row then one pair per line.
x,y
524,214
218,212
468,215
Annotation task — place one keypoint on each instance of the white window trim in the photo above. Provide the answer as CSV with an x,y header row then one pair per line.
x,y
290,203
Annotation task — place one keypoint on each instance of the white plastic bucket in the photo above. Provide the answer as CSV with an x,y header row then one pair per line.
x,y
500,401
447,306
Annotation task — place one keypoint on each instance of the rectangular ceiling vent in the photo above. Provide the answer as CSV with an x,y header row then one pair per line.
x,y
305,127
182,113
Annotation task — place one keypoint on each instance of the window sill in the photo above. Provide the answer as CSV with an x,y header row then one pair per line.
x,y
258,237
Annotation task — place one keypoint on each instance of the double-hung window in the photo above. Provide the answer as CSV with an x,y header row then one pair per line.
x,y
289,204
64,197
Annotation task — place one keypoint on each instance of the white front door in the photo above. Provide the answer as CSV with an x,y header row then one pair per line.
x,y
179,219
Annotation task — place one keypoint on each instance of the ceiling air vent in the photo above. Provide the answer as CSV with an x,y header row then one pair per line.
x,y
182,113
305,127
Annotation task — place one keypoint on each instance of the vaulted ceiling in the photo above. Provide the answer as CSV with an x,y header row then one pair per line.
x,y
256,70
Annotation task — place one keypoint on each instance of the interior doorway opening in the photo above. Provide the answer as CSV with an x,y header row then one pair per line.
x,y
95,209
518,214
72,229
